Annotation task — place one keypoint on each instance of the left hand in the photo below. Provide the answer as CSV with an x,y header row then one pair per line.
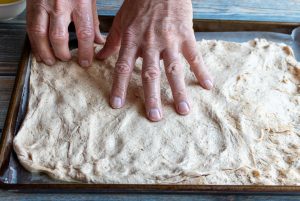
x,y
47,28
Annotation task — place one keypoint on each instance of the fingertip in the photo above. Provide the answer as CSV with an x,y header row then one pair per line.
x,y
183,108
154,115
116,102
49,61
111,46
105,52
208,84
85,60
66,57
84,63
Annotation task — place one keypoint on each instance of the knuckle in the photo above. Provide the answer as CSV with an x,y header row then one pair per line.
x,y
59,7
110,41
35,10
122,67
179,94
166,29
173,68
86,33
149,37
37,30
118,90
148,51
82,2
152,100
186,30
150,74
193,57
37,6
58,35
130,32
129,38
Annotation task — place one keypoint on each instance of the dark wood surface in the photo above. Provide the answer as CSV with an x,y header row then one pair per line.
x,y
11,40
11,43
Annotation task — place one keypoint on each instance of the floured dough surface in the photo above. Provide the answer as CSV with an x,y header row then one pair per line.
x,y
244,131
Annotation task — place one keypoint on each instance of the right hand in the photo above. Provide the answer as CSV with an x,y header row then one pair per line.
x,y
154,30
47,28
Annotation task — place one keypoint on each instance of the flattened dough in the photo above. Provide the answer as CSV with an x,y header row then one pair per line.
x,y
244,131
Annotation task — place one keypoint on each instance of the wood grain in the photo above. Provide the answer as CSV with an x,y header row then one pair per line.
x,y
9,196
245,10
11,44
6,87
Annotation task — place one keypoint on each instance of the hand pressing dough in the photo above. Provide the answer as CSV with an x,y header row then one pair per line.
x,y
244,131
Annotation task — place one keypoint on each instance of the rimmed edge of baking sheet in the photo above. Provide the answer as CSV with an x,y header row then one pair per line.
x,y
14,176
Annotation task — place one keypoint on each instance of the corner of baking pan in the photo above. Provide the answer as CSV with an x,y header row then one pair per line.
x,y
296,35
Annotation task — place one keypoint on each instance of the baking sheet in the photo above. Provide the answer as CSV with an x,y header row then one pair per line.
x,y
16,174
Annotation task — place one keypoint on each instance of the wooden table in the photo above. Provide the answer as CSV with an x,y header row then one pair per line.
x,y
12,34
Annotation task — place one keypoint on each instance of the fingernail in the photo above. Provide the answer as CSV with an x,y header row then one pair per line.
x,y
208,84
50,62
183,107
85,63
116,102
154,114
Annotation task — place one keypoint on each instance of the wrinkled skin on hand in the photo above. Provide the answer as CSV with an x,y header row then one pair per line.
x,y
154,30
47,27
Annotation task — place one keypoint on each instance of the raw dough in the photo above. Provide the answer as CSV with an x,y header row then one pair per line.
x,y
245,131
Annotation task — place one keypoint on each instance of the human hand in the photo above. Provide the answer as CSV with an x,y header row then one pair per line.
x,y
47,27
154,29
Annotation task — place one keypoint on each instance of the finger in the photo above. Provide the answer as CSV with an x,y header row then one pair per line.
x,y
113,41
175,75
123,70
83,20
151,84
37,29
34,50
98,37
59,36
194,58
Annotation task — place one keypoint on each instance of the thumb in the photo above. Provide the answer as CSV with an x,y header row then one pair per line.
x,y
112,44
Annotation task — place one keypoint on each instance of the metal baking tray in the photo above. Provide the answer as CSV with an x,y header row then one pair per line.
x,y
14,177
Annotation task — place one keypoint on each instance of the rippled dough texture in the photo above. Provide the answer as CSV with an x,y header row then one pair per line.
x,y
245,131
